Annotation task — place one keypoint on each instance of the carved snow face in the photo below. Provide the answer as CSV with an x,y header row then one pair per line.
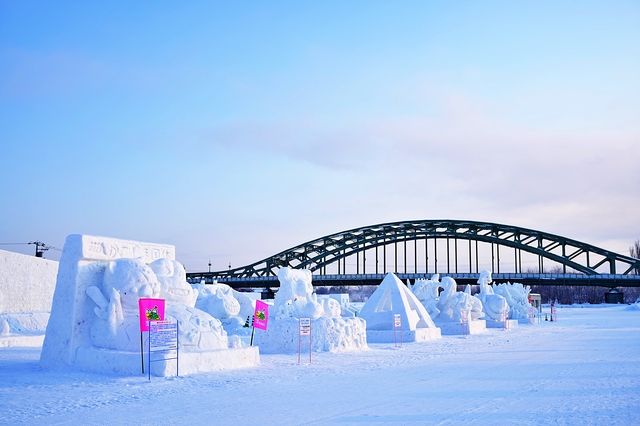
x,y
131,278
173,282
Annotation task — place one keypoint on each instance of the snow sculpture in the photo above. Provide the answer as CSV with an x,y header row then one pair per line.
x,y
390,298
456,312
495,306
218,300
294,300
427,293
476,305
94,322
455,306
116,325
198,329
233,308
517,296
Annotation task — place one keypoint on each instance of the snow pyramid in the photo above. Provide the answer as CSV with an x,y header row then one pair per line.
x,y
393,297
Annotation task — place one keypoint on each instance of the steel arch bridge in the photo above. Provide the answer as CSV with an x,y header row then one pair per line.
x,y
316,255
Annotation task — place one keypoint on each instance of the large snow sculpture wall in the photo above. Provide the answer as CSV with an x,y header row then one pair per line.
x,y
94,320
82,265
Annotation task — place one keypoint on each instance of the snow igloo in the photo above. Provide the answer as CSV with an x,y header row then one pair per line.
x,y
95,325
330,331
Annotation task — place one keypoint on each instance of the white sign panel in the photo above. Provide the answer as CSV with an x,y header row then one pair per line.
x,y
305,326
163,336
397,322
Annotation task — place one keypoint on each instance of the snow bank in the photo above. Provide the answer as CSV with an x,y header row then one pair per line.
x,y
26,283
26,291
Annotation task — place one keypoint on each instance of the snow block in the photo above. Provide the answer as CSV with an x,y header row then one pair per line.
x,y
456,328
327,335
406,336
507,324
27,283
105,361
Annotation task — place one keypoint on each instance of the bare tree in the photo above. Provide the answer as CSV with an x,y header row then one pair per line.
x,y
634,251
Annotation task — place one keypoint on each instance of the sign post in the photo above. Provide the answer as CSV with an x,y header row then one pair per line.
x,y
304,330
397,323
149,310
260,317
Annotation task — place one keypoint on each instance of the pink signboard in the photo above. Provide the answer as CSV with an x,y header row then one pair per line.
x,y
261,315
150,310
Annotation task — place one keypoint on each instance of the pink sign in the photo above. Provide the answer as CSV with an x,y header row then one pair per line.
x,y
150,310
261,315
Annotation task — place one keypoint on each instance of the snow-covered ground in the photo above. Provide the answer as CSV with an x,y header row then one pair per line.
x,y
582,369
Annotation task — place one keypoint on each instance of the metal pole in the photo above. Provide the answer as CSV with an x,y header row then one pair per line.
x,y
477,263
384,259
470,264
435,250
455,248
426,254
405,255
376,260
415,256
498,255
493,268
448,270
396,256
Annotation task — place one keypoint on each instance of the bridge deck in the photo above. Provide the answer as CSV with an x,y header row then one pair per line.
x,y
601,280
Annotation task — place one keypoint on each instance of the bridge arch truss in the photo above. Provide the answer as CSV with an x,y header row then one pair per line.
x,y
317,255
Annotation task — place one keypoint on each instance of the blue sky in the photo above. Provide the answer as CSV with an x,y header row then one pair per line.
x,y
237,130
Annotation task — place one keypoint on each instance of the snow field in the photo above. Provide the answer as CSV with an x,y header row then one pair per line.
x,y
583,369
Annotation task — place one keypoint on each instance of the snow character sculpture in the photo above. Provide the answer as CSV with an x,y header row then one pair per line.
x,y
427,293
455,306
198,329
495,306
233,308
476,305
116,325
296,298
517,296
